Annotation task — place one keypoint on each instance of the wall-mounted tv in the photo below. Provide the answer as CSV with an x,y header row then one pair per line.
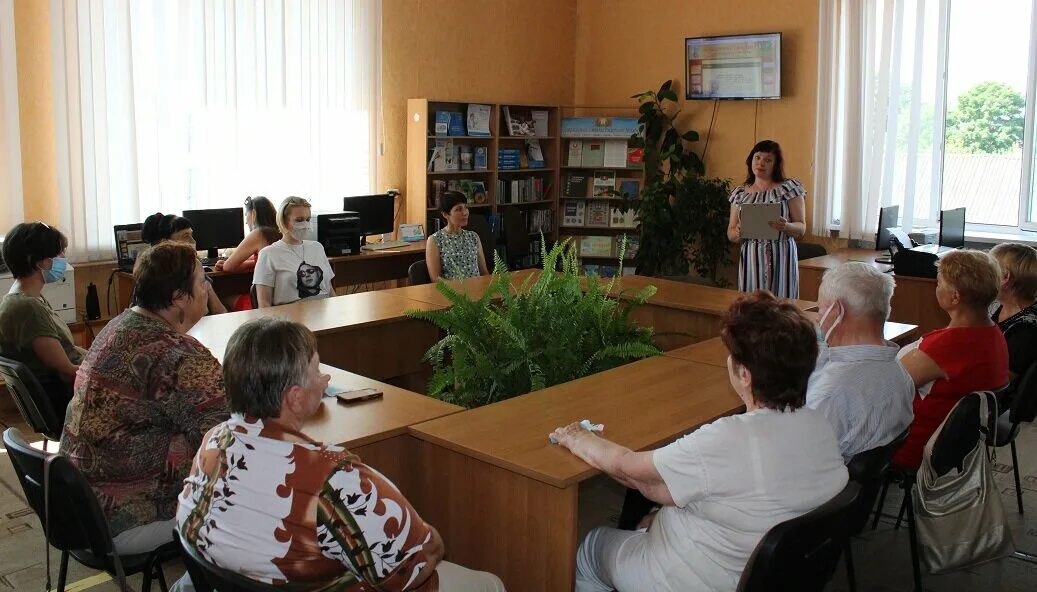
x,y
733,67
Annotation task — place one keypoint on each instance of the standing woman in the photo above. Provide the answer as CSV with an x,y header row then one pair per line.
x,y
295,267
769,264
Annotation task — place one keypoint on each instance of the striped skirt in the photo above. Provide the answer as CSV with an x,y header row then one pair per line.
x,y
770,265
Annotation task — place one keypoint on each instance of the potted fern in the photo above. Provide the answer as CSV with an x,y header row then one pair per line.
x,y
549,330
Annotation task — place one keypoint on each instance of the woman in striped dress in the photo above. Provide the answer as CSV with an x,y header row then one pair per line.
x,y
769,264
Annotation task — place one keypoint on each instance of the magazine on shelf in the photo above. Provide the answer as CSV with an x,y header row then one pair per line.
x,y
596,246
604,183
576,185
598,214
466,158
442,125
593,153
630,189
478,120
615,154
573,212
621,219
534,155
456,123
520,121
540,126
480,158
635,157
575,153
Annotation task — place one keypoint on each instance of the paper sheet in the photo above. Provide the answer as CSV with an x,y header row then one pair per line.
x,y
754,219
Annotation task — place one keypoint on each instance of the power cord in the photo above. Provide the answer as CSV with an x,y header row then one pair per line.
x,y
710,130
756,118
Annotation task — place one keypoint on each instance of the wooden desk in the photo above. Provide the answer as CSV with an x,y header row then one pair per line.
x,y
368,266
473,287
505,499
362,333
914,299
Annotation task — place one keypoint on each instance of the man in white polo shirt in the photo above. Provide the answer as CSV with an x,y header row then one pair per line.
x,y
858,383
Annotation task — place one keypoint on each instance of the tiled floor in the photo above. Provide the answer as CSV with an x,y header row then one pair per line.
x,y
882,559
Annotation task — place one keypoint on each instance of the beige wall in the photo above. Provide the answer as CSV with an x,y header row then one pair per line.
x,y
627,46
36,110
486,50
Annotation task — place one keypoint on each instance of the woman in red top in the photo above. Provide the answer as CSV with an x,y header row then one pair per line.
x,y
969,355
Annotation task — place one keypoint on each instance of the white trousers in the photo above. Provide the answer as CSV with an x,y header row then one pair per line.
x,y
611,559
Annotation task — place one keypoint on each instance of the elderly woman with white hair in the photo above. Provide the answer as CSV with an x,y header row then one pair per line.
x,y
858,383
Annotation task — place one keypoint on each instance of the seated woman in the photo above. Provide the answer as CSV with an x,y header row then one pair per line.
x,y
161,227
30,331
715,509
968,355
146,394
268,502
1016,310
295,267
452,252
261,218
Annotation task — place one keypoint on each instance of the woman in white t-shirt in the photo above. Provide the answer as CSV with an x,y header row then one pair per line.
x,y
723,486
295,267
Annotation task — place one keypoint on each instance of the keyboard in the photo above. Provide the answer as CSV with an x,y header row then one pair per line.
x,y
384,245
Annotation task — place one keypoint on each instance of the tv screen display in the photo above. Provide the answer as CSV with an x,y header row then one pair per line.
x,y
733,67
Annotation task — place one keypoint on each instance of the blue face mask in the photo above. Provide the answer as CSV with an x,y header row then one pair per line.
x,y
56,271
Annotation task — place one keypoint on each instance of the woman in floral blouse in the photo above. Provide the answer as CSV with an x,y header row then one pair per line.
x,y
266,501
453,253
145,394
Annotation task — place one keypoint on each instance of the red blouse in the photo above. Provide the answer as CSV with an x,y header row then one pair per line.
x,y
974,359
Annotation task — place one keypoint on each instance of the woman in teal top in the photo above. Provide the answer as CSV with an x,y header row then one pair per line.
x,y
452,252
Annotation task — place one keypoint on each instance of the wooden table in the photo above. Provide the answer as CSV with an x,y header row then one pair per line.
x,y
368,266
914,299
472,287
505,499
367,333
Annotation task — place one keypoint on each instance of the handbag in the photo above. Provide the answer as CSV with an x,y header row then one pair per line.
x,y
958,515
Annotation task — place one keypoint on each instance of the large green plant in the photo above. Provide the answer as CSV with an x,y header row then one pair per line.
x,y
683,214
549,330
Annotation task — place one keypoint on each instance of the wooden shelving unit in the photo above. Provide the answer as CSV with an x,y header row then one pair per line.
x,y
421,140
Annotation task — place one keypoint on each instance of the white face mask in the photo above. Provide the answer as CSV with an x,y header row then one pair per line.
x,y
303,231
838,320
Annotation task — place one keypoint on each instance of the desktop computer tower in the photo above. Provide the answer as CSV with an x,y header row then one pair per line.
x,y
339,233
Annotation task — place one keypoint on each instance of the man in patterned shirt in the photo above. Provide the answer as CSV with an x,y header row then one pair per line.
x,y
268,502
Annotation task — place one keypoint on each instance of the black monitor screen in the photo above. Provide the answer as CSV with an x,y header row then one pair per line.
x,y
888,218
376,212
952,228
222,228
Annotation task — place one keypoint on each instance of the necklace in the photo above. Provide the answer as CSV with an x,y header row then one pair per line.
x,y
302,247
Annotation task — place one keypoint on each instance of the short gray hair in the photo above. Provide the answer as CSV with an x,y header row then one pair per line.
x,y
264,358
863,290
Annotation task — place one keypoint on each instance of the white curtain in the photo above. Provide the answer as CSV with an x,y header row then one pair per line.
x,y
168,106
11,211
880,114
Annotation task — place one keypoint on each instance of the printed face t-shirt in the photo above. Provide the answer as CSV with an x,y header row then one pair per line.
x,y
294,272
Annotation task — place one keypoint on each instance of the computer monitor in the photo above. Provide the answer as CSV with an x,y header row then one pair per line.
x,y
221,228
375,211
952,228
888,218
128,244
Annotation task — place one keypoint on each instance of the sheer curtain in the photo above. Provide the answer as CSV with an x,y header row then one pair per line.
x,y
167,106
11,211
881,107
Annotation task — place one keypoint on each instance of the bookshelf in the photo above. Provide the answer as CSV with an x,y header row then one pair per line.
x,y
533,190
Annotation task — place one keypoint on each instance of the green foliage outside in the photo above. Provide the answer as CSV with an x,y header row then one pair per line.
x,y
988,120
547,331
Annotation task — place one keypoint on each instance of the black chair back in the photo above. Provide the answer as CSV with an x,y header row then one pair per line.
x,y
30,398
516,237
963,432
801,554
252,298
809,251
869,469
1024,400
209,578
478,224
417,273
76,519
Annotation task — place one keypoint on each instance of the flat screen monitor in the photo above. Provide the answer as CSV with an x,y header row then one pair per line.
x,y
221,228
888,218
129,244
952,228
376,212
733,67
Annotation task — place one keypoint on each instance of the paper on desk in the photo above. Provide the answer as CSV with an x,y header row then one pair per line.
x,y
754,219
587,425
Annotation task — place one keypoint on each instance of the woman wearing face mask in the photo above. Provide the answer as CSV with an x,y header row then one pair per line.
x,y
287,270
452,252
145,395
161,227
769,264
30,331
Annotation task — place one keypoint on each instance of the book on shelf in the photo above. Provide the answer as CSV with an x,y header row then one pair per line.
x,y
453,156
615,154
466,158
575,153
480,158
456,124
633,244
474,190
439,187
520,121
621,219
478,120
534,155
590,269
630,189
593,154
573,212
442,123
607,271
540,126
604,183
541,221
509,159
598,214
576,185
596,246
635,157
510,191
629,270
